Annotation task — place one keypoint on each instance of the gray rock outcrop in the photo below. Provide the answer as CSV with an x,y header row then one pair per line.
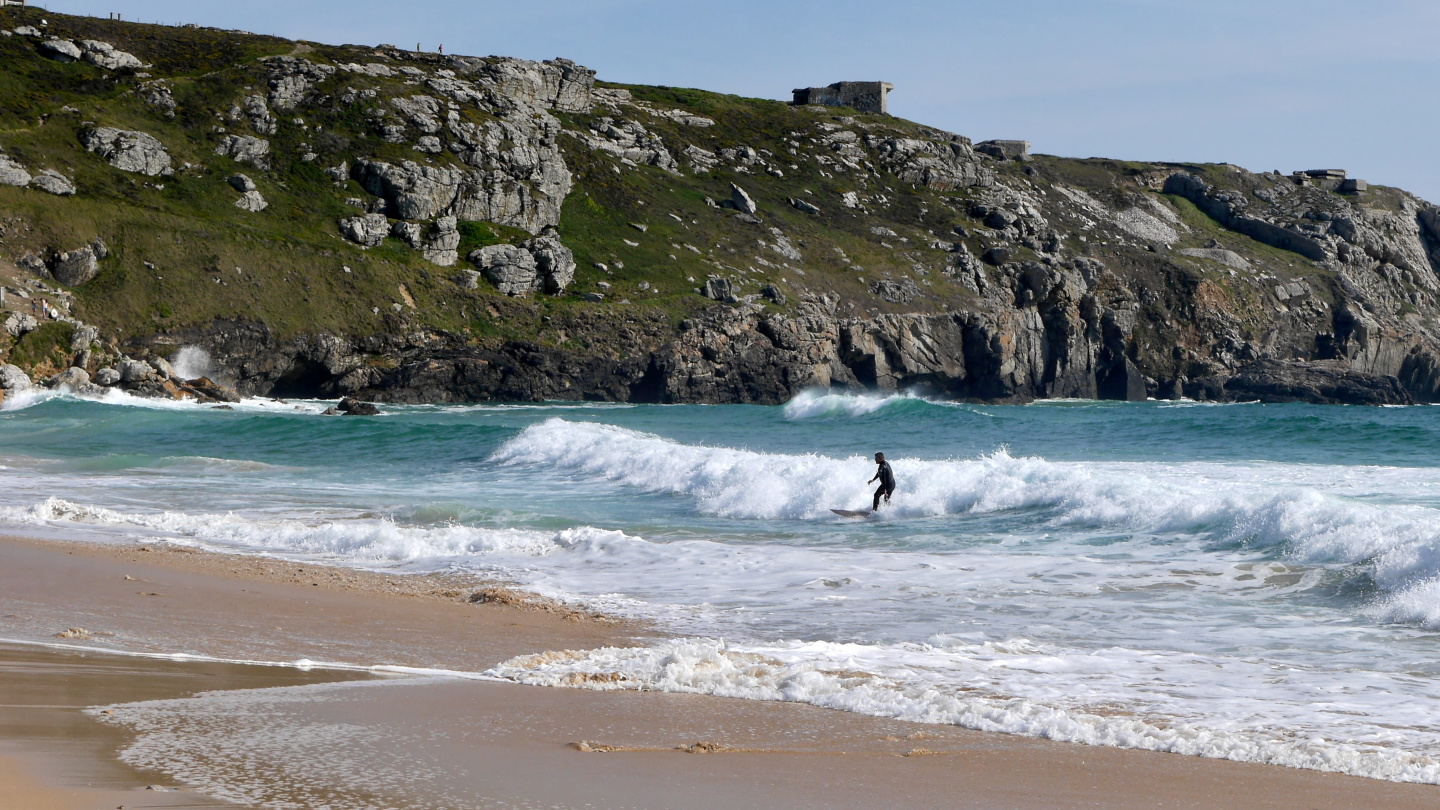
x,y
107,377
76,267
246,149
53,182
128,150
61,50
510,268
13,379
368,230
12,173
436,242
18,324
741,200
105,55
71,380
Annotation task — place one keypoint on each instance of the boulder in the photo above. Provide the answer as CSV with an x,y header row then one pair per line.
x,y
553,261
75,267
208,389
53,182
511,269
19,324
720,289
61,50
741,200
801,205
105,55
354,407
437,243
468,279
252,201
107,376
12,173
246,149
1006,150
13,379
240,183
28,31
71,380
97,245
368,230
134,371
128,150
163,366
82,338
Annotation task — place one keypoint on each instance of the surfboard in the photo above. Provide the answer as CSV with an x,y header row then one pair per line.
x,y
852,512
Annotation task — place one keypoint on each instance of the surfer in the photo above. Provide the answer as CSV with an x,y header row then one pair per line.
x,y
886,478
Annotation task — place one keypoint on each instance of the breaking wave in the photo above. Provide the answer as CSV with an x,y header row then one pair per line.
x,y
1279,510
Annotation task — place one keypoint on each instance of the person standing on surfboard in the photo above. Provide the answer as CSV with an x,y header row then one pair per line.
x,y
886,478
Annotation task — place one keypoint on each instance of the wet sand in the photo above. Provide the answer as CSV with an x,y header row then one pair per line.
x,y
480,743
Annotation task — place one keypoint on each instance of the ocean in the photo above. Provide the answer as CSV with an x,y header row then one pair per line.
x,y
1250,582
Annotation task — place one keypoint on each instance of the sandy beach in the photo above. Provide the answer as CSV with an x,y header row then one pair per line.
x,y
485,743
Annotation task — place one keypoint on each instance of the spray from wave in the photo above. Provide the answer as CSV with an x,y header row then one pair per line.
x,y
818,403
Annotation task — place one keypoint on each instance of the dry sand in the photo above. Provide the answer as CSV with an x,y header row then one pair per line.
x,y
503,744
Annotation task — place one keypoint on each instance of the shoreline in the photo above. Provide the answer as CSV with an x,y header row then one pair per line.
x,y
636,748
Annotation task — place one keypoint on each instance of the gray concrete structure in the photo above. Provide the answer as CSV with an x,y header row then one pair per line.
x,y
867,97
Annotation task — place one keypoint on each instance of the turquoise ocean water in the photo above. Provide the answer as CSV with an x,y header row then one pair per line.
x,y
1254,582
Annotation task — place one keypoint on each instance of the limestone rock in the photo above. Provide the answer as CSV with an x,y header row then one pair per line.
x,y
107,376
741,200
1229,258
553,261
162,366
28,31
105,55
246,149
12,173
128,150
901,292
53,182
437,243
943,166
83,337
368,230
240,183
132,371
720,289
61,50
252,201
292,78
71,380
75,267
511,269
19,323
802,205
12,379
429,144
1007,150
156,93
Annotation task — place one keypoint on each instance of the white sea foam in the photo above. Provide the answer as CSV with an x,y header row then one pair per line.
x,y
192,362
1238,709
358,540
1258,506
816,403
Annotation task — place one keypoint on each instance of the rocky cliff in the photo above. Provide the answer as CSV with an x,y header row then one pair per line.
x,y
368,222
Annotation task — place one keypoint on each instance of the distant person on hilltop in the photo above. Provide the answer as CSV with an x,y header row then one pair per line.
x,y
887,481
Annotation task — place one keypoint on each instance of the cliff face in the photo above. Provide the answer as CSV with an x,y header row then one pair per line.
x,y
331,221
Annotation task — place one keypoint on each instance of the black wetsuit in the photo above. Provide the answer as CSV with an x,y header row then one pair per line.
x,y
887,484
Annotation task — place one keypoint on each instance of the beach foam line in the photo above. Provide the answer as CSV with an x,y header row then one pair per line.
x,y
975,689
353,541
303,664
